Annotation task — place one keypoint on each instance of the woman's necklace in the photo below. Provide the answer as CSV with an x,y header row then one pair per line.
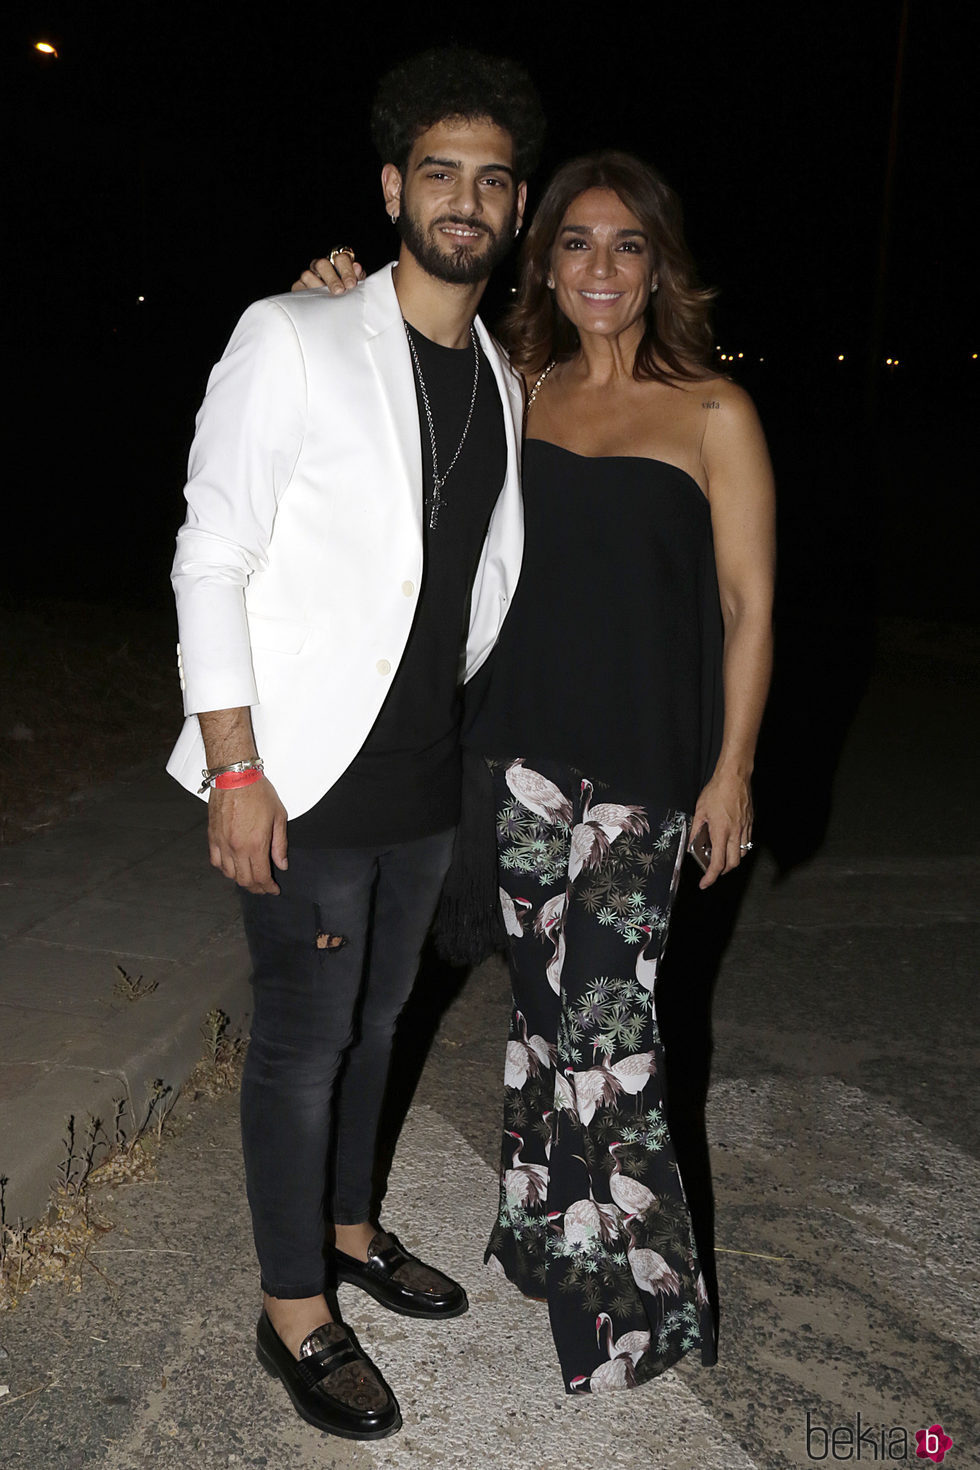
x,y
435,504
536,389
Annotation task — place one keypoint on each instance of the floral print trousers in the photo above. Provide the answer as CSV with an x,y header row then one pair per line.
x,y
592,1217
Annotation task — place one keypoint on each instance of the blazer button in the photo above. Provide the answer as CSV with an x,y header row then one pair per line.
x,y
408,588
383,666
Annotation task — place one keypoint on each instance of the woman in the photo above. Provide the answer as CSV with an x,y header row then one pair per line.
x,y
620,719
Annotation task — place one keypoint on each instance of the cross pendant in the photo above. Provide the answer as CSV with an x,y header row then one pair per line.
x,y
435,504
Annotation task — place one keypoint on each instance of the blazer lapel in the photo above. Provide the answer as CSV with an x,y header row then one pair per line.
x,y
389,350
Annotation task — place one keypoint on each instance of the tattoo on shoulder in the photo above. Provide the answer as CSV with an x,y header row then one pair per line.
x,y
712,404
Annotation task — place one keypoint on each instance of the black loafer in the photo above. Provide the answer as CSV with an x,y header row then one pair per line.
x,y
440,1298
362,1405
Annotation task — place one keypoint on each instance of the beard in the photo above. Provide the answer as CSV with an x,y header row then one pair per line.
x,y
460,265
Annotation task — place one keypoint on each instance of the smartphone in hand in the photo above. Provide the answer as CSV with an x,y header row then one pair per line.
x,y
700,847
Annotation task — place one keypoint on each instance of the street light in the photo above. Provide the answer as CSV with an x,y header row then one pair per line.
x,y
46,48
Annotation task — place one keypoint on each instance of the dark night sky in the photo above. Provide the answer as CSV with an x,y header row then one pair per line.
x,y
179,150
199,155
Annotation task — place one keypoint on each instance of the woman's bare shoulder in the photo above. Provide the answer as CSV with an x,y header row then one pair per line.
x,y
731,407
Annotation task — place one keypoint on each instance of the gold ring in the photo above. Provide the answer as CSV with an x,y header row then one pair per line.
x,y
341,250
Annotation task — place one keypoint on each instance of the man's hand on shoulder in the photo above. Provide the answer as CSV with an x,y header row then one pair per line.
x,y
247,828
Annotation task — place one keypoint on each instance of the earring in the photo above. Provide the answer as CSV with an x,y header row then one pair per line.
x,y
550,283
654,288
393,216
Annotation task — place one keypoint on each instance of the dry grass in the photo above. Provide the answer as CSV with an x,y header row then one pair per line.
x,y
56,1250
86,692
220,1068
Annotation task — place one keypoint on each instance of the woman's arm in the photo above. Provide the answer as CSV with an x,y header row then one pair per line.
x,y
743,520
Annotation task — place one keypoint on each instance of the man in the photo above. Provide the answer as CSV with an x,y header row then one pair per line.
x,y
352,541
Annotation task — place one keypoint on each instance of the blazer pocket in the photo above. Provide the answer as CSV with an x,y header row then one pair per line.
x,y
278,635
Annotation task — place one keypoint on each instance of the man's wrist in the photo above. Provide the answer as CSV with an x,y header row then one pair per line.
x,y
233,774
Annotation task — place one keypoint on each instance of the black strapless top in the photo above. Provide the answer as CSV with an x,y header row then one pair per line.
x,y
610,658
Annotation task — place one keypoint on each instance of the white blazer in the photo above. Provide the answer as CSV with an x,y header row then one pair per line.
x,y
299,564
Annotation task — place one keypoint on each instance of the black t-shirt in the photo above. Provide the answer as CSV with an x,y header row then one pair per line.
x,y
404,781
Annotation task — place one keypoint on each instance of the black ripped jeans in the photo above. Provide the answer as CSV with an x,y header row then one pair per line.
x,y
334,958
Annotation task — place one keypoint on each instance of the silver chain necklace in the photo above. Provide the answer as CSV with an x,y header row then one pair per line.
x,y
435,505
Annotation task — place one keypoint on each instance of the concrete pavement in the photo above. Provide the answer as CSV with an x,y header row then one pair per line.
x,y
844,1148
123,884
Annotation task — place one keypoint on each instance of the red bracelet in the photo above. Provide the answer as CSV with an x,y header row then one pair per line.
x,y
231,780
